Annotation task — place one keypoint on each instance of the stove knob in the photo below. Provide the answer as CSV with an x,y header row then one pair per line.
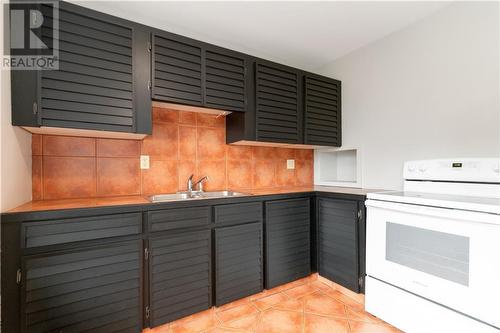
x,y
496,168
411,167
422,168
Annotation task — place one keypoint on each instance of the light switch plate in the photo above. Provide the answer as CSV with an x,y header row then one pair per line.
x,y
290,164
144,161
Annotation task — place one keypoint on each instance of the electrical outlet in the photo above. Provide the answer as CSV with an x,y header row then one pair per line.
x,y
144,162
290,164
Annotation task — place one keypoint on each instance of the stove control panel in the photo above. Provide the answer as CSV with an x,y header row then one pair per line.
x,y
477,170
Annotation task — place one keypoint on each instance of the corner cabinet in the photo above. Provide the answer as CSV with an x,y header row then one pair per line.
x,y
341,242
102,80
288,240
186,71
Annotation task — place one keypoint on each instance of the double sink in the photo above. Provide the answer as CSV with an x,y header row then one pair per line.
x,y
194,196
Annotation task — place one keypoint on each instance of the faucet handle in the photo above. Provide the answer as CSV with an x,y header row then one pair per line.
x,y
200,183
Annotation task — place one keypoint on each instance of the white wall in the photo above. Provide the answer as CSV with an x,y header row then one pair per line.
x,y
428,91
15,151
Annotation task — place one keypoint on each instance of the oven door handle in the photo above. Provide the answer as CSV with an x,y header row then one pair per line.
x,y
447,213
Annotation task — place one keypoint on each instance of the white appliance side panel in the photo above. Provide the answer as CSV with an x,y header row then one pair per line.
x,y
413,314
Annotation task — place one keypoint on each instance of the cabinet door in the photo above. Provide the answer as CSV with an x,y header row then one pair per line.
x,y
94,86
279,114
288,254
225,80
238,262
177,70
322,111
179,270
338,242
94,289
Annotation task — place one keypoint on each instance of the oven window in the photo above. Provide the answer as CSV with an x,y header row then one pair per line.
x,y
437,253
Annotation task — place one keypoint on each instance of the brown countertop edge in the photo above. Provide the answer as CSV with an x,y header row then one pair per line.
x,y
44,205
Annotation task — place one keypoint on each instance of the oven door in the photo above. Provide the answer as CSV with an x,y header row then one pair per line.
x,y
449,256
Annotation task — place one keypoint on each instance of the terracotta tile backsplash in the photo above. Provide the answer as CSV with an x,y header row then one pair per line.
x,y
182,143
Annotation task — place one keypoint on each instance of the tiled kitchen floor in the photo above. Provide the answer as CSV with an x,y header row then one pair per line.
x,y
308,305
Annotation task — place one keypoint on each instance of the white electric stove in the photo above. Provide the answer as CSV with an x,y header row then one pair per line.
x,y
433,250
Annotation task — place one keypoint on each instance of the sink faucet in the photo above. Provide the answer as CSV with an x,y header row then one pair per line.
x,y
199,182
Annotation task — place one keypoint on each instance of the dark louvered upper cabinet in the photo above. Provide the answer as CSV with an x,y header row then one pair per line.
x,y
177,69
278,103
226,80
322,124
290,106
102,80
193,73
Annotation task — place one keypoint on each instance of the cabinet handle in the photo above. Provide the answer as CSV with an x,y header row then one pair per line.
x,y
35,107
19,275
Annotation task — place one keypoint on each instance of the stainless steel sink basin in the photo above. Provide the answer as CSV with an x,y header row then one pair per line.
x,y
222,194
169,197
194,196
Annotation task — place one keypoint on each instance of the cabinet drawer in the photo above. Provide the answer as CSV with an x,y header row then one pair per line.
x,y
238,213
178,218
80,229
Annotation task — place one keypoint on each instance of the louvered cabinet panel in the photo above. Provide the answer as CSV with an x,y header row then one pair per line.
x,y
179,275
322,111
177,70
95,289
277,104
288,248
93,88
225,81
338,241
238,262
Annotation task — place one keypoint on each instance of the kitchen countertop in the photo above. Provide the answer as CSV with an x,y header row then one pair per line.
x,y
45,205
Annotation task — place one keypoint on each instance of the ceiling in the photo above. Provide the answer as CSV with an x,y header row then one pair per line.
x,y
307,35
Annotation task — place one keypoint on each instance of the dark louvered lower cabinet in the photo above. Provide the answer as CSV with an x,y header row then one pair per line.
x,y
180,270
238,262
100,83
338,242
94,289
288,254
278,104
322,111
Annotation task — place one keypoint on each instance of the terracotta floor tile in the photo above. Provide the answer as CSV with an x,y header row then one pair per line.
x,y
319,303
196,323
345,299
320,285
233,304
362,327
268,301
300,291
322,324
292,304
247,323
226,330
236,312
362,316
279,321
